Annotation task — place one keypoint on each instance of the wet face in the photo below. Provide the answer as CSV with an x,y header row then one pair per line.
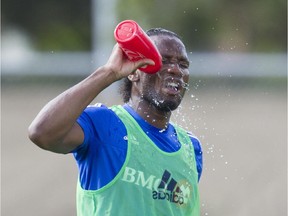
x,y
165,89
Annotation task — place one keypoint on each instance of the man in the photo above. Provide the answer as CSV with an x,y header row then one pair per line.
x,y
131,159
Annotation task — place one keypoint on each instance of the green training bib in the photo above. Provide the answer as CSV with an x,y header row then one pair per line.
x,y
151,182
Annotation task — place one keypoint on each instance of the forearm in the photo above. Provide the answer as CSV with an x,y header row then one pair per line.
x,y
54,122
55,126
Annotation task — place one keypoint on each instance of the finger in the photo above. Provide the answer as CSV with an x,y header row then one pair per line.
x,y
144,62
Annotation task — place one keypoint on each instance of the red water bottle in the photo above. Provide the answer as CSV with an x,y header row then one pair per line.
x,y
137,45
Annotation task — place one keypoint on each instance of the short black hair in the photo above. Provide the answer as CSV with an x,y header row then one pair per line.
x,y
126,85
161,31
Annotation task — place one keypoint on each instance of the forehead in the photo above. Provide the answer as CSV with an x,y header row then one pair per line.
x,y
169,45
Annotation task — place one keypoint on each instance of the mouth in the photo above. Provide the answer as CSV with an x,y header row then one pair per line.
x,y
173,86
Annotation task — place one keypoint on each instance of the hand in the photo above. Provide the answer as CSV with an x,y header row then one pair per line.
x,y
121,66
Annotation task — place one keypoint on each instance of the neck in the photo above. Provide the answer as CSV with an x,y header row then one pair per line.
x,y
150,113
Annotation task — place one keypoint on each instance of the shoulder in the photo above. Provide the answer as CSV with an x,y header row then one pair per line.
x,y
198,153
194,139
99,116
98,113
196,143
98,122
96,109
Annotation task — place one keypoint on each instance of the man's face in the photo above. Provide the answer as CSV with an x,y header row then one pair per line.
x,y
166,88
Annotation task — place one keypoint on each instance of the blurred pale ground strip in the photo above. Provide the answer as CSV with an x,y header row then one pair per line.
x,y
243,132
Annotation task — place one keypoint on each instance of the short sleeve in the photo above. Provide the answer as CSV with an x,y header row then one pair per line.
x,y
92,121
198,154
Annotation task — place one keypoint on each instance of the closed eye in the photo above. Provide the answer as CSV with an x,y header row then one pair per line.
x,y
184,64
165,61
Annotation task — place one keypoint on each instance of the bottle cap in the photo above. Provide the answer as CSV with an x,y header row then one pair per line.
x,y
125,30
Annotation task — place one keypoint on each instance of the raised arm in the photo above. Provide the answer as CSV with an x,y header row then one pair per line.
x,y
55,127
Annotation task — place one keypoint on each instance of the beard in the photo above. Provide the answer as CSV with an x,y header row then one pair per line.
x,y
154,94
162,103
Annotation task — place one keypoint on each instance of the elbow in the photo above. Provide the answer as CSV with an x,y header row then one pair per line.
x,y
37,137
45,140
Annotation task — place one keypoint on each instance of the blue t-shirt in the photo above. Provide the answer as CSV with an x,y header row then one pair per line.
x,y
103,151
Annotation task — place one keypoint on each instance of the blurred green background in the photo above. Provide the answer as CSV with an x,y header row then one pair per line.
x,y
236,104
254,26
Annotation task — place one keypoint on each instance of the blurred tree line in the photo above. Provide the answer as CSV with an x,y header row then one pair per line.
x,y
205,25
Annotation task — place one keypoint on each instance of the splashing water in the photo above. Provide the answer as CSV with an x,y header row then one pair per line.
x,y
191,115
158,102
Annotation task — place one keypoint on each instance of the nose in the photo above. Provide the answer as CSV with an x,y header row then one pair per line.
x,y
174,68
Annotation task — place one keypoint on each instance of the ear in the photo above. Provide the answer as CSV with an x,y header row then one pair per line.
x,y
135,76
